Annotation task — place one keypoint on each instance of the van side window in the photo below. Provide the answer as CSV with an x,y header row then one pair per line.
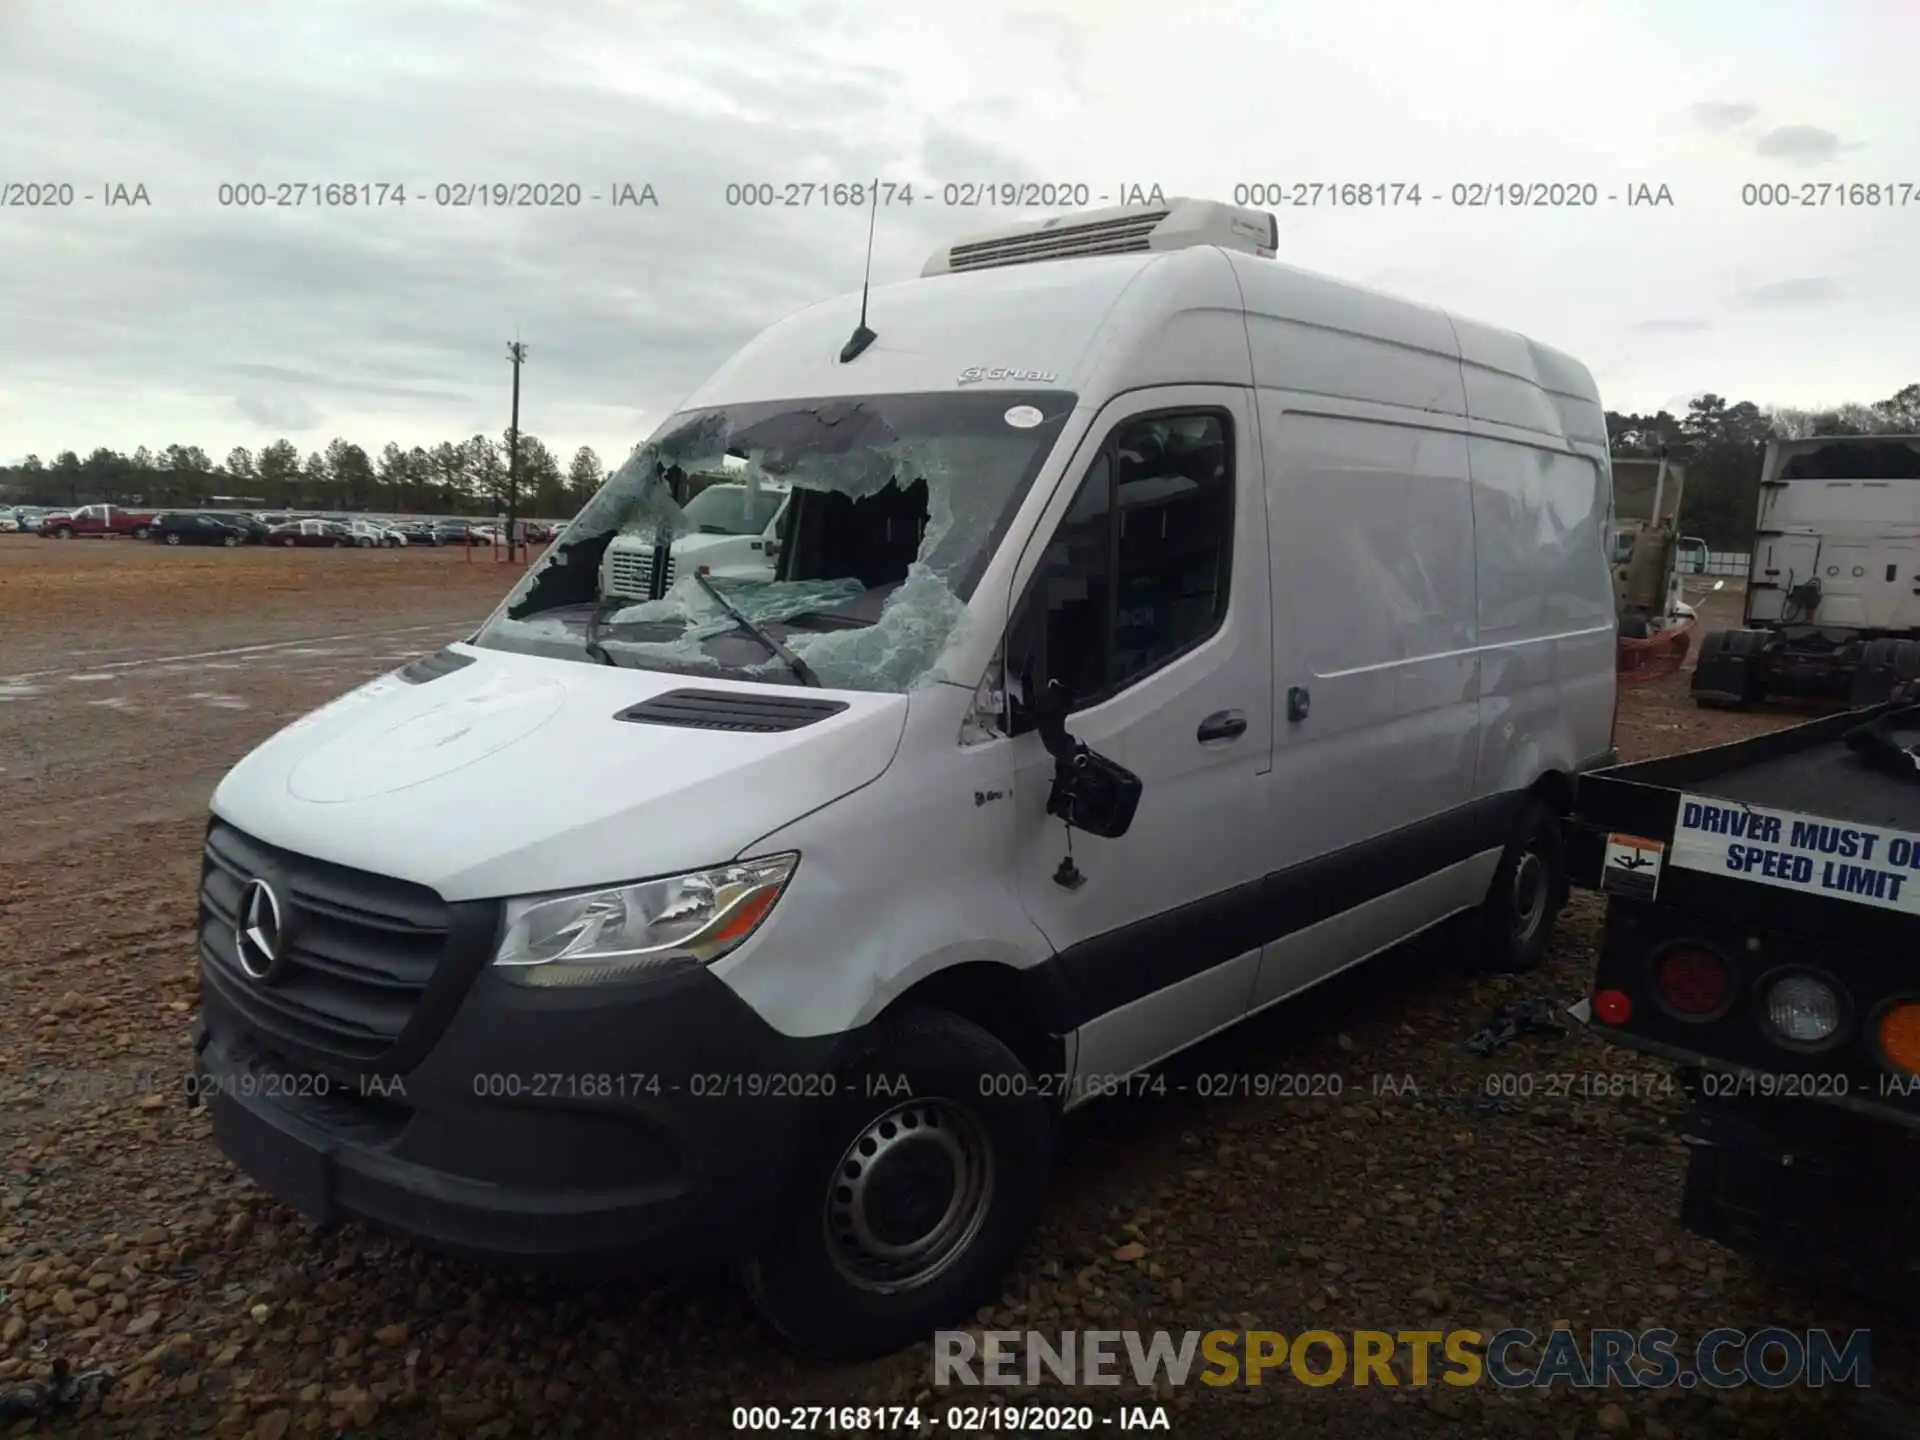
x,y
1137,572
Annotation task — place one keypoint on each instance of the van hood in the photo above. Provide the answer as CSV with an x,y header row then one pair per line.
x,y
512,776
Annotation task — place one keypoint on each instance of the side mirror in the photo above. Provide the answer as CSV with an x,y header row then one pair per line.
x,y
1093,794
1090,792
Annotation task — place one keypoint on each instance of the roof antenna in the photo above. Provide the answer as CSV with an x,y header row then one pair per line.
x,y
863,337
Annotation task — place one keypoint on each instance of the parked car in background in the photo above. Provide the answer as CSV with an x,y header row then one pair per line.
x,y
371,534
9,522
251,528
415,532
311,533
486,535
190,528
96,520
448,532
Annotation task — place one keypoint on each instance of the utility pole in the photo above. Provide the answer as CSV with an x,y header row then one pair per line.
x,y
517,353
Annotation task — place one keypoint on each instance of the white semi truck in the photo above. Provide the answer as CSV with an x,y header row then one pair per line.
x,y
1833,596
729,530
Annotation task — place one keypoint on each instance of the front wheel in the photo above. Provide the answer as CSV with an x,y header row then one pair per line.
x,y
1529,891
912,1197
173,538
63,532
231,541
289,542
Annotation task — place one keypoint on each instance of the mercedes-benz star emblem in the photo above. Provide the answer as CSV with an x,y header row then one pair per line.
x,y
257,938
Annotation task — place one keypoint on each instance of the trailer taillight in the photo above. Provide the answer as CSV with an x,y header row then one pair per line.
x,y
1613,1007
1899,1035
1692,982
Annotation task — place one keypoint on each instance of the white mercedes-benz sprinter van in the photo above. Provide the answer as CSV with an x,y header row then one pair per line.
x,y
1157,630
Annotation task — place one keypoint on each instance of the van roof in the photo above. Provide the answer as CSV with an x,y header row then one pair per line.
x,y
1099,325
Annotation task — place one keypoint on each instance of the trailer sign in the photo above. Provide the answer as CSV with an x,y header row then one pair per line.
x,y
1797,852
1632,867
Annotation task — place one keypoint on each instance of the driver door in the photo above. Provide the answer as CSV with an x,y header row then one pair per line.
x,y
1146,592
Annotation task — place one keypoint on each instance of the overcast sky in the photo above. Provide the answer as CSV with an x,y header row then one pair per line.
x,y
186,321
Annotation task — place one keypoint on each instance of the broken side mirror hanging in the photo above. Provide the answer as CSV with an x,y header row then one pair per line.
x,y
1090,792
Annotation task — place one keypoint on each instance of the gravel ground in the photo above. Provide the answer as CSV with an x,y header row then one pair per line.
x,y
128,1242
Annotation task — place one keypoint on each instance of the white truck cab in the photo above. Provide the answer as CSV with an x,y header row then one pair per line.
x,y
1157,630
732,532
1833,589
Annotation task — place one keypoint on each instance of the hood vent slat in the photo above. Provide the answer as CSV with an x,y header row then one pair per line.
x,y
727,710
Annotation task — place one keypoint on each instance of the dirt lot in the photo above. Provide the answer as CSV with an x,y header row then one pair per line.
x,y
131,676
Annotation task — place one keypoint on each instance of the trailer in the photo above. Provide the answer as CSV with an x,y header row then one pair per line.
x,y
1762,918
1833,589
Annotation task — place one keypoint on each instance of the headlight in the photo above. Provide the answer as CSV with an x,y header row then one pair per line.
x,y
629,931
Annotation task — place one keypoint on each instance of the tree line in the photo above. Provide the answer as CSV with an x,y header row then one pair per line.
x,y
452,478
1721,444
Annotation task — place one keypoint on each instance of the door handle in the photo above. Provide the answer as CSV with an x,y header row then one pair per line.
x,y
1223,725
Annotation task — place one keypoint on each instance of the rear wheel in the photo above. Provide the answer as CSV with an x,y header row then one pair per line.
x,y
63,532
907,1205
1529,891
173,537
230,541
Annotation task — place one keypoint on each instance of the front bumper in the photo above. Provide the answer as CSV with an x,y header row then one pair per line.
x,y
632,1127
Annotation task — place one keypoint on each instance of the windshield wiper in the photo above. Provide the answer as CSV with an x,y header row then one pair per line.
x,y
794,662
601,612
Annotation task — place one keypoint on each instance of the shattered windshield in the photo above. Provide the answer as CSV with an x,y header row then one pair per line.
x,y
895,504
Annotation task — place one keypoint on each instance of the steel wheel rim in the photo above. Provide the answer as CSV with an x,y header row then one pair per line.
x,y
1529,894
872,1196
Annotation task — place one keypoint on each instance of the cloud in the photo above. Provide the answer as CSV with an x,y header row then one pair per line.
x,y
196,321
1801,144
276,412
286,375
1720,115
1804,290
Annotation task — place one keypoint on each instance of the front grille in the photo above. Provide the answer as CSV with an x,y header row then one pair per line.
x,y
360,950
630,573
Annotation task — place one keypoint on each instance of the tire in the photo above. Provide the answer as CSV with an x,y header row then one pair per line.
x,y
1528,892
813,1288
339,544
173,537
289,542
231,541
63,532
140,532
